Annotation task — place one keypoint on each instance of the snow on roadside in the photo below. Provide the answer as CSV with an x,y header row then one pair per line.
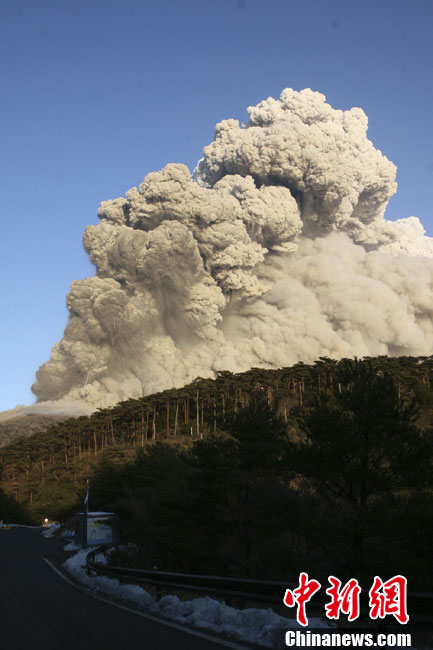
x,y
49,532
261,626
3,525
72,547
102,584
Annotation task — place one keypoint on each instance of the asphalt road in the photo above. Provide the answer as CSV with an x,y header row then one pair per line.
x,y
40,610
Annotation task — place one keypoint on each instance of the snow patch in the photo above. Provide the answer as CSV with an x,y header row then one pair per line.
x,y
49,532
72,547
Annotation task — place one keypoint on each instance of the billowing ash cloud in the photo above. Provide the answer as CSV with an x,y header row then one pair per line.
x,y
276,250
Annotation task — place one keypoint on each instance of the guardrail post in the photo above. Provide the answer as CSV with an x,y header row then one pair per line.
x,y
158,587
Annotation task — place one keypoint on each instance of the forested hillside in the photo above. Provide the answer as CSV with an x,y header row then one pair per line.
x,y
325,468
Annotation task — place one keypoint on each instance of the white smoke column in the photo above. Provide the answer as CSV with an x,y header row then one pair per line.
x,y
275,251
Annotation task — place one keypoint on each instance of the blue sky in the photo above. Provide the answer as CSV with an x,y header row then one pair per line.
x,y
95,94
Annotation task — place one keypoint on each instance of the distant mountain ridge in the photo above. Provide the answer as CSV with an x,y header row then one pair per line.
x,y
26,425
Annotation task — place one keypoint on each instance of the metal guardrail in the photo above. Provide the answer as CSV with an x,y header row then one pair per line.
x,y
420,605
272,592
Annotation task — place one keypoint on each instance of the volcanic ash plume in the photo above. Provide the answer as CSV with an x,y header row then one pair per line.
x,y
276,250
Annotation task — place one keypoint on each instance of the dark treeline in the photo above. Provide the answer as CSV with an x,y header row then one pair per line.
x,y
12,512
324,468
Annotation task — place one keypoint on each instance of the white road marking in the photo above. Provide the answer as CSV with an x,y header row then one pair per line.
x,y
155,619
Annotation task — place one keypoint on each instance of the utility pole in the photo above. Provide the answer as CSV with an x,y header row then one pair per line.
x,y
86,518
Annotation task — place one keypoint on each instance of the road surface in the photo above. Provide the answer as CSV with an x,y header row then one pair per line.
x,y
40,610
